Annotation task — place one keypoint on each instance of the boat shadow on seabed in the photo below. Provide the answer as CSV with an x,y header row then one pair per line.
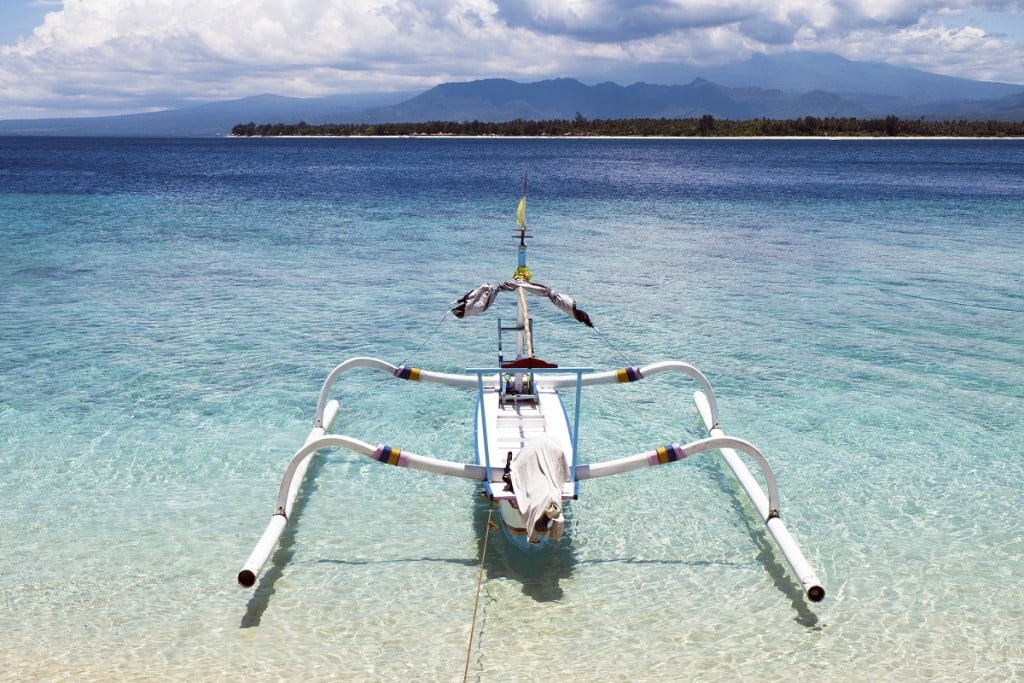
x,y
540,573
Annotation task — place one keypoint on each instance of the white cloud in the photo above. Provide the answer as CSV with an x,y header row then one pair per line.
x,y
120,55
967,52
218,48
622,21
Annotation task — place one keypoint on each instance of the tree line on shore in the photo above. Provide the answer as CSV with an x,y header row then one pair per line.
x,y
705,126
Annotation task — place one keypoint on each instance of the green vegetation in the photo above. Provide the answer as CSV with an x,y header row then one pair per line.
x,y
705,126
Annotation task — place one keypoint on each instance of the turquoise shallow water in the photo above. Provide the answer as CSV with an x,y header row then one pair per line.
x,y
168,310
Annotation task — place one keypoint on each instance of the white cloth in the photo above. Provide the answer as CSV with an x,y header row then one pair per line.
x,y
480,299
538,472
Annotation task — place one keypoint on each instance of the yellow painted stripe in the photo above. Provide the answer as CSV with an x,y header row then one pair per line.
x,y
393,456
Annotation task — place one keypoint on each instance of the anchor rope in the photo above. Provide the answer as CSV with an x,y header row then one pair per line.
x,y
950,301
430,337
612,346
476,602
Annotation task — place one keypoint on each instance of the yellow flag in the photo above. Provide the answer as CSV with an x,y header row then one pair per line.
x,y
521,212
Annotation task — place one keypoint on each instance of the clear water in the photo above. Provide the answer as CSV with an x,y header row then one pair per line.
x,y
168,310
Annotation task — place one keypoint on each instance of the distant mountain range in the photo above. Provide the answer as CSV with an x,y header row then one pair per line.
x,y
788,86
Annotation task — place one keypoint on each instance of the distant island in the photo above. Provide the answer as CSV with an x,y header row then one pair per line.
x,y
705,126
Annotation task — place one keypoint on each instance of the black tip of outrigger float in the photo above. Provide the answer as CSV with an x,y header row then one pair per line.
x,y
246,578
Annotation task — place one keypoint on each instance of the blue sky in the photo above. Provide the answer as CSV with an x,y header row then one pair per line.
x,y
95,57
19,17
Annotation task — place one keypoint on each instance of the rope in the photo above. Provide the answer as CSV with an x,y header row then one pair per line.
x,y
429,338
476,602
612,346
951,302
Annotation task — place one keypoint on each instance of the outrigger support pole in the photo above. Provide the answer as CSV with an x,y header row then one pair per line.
x,y
765,508
254,565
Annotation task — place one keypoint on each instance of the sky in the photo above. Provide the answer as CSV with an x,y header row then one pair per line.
x,y
99,57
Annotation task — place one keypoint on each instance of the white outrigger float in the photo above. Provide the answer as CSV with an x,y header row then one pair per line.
x,y
527,458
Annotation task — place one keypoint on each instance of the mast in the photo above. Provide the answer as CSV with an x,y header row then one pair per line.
x,y
524,341
522,272
524,336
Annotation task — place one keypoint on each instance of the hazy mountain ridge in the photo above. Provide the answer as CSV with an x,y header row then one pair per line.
x,y
793,85
802,72
504,100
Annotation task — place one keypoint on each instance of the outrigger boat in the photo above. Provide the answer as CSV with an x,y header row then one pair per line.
x,y
526,442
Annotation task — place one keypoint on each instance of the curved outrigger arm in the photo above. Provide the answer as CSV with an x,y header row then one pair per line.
x,y
399,371
635,374
674,452
471,381
296,471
